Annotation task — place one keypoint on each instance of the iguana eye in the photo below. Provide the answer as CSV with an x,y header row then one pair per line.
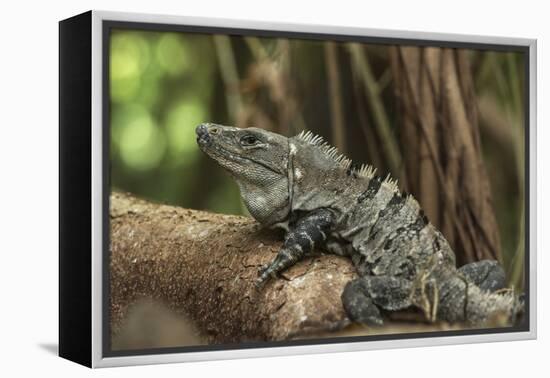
x,y
249,140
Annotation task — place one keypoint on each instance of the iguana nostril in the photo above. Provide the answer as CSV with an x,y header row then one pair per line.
x,y
201,130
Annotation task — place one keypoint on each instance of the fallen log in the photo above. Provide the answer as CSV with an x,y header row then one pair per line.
x,y
204,265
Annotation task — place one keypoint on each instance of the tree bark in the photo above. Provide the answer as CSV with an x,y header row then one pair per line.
x,y
442,150
204,265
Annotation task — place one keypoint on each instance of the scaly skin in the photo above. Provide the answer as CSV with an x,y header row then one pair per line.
x,y
304,186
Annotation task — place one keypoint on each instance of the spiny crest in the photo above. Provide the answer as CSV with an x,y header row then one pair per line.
x,y
327,149
309,137
344,162
391,183
367,171
411,201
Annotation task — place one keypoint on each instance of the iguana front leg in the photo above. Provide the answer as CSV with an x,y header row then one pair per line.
x,y
308,231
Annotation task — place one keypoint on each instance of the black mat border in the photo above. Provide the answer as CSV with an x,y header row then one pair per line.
x,y
75,189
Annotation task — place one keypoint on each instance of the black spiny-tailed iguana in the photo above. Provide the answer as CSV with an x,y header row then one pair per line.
x,y
303,185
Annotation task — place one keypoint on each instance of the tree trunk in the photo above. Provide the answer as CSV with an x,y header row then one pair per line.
x,y
443,163
204,265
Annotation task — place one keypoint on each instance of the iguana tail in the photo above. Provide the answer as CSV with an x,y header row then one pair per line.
x,y
450,295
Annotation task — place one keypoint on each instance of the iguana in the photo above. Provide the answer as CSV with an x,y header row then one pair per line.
x,y
306,187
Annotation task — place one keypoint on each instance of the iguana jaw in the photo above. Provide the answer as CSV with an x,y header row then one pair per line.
x,y
257,160
222,143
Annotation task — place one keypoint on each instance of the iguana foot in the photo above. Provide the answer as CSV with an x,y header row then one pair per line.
x,y
359,305
488,275
262,269
264,273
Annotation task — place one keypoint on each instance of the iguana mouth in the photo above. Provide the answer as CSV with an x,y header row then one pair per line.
x,y
208,145
203,137
229,155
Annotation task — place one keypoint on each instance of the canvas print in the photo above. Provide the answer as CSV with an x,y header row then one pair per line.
x,y
275,190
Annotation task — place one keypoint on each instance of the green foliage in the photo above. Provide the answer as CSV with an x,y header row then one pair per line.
x,y
163,84
161,87
499,80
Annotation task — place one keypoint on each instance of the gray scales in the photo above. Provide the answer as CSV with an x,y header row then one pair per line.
x,y
304,186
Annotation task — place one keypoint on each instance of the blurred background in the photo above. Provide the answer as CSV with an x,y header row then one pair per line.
x,y
448,123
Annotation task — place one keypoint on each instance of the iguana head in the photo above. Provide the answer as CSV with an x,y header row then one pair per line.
x,y
258,161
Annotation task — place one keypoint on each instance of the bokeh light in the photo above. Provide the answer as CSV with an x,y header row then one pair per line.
x,y
180,128
171,54
130,57
141,143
